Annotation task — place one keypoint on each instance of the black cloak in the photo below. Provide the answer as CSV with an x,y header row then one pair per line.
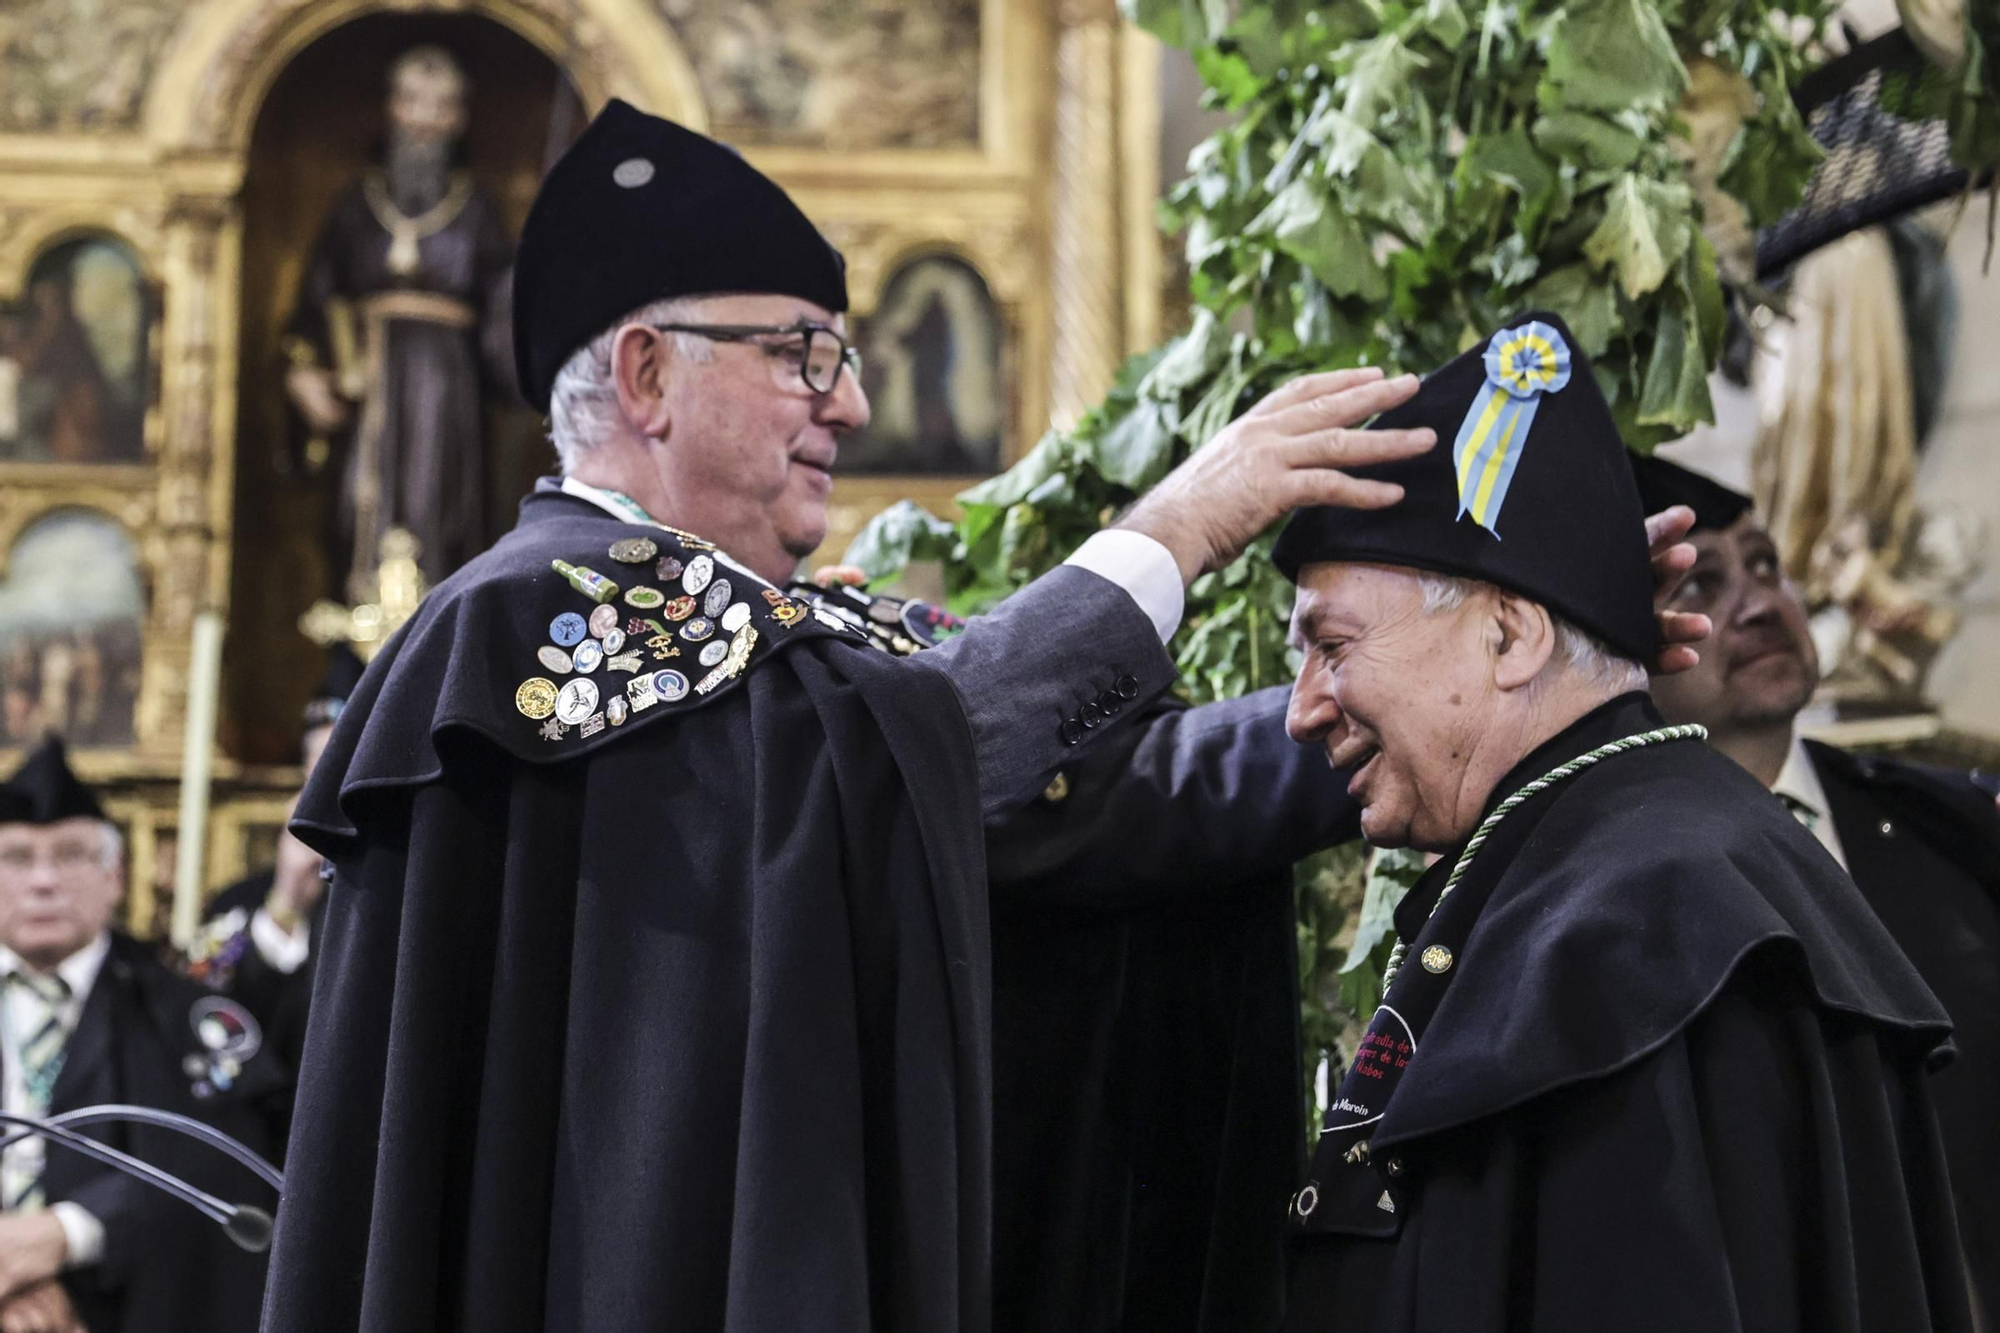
x,y
1653,1064
1923,845
677,1022
1147,1098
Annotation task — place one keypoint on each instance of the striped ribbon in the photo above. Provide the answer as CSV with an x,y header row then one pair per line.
x,y
1522,364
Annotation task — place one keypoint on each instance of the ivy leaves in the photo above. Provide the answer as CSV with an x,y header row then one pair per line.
x,y
1612,56
1404,176
1646,229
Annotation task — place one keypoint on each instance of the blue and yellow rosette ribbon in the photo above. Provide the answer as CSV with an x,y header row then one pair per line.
x,y
1521,365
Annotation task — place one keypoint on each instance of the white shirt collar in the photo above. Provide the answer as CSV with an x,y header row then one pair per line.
x,y
1799,781
620,506
627,510
79,970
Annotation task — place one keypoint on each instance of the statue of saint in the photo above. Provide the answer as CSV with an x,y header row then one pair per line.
x,y
400,334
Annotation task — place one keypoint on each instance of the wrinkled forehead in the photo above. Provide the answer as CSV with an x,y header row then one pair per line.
x,y
1344,597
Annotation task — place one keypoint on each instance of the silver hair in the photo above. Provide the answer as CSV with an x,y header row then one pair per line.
x,y
1577,649
583,404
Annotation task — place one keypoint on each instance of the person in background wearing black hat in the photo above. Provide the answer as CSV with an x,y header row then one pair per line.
x,y
1922,843
90,1016
255,944
652,983
1645,1059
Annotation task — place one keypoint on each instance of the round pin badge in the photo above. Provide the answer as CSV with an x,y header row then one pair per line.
x,y
645,599
1437,959
554,658
577,701
536,698
699,571
736,617
616,710
603,620
614,639
569,629
588,655
717,599
670,686
668,569
225,1028
633,550
697,629
680,608
714,653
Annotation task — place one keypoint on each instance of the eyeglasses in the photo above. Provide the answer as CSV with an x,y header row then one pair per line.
x,y
819,351
66,857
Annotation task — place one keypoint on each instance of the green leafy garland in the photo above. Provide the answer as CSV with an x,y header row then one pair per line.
x,y
1401,177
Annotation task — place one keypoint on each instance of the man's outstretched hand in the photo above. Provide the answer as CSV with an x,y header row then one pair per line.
x,y
1291,450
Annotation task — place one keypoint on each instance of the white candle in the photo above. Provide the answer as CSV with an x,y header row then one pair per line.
x,y
10,398
197,753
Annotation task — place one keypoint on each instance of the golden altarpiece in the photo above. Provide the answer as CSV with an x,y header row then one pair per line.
x,y
163,168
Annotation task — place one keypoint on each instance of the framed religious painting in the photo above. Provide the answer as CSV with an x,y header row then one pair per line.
x,y
934,362
75,357
72,607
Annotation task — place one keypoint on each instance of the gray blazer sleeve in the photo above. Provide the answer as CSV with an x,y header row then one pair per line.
x,y
1184,803
1047,675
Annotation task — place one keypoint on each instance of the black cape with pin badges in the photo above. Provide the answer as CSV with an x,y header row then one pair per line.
x,y
650,990
641,210
1562,525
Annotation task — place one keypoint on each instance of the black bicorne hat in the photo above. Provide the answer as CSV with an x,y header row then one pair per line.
x,y
44,790
1663,484
641,210
1529,489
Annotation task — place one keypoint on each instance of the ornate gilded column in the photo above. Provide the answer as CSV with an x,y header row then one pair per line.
x,y
189,539
1089,339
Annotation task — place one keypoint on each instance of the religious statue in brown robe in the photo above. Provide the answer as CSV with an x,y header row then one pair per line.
x,y
400,334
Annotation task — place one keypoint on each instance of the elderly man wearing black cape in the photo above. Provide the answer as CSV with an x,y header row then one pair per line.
x,y
653,984
1645,1059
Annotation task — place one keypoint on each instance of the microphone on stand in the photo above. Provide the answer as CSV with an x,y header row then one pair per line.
x,y
248,1226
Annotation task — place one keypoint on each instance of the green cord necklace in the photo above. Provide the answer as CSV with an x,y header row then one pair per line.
x,y
1533,789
